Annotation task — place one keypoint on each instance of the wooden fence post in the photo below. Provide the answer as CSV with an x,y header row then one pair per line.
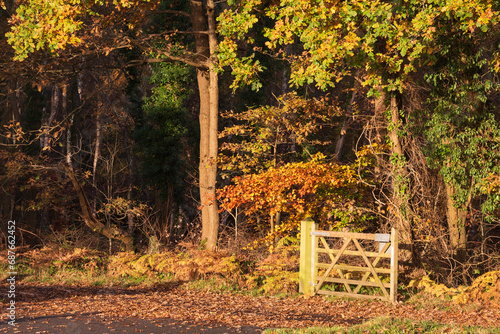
x,y
394,266
306,257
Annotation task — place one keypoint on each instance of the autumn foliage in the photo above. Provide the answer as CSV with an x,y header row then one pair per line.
x,y
284,94
327,191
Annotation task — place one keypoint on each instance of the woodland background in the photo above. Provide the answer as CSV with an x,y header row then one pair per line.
x,y
136,125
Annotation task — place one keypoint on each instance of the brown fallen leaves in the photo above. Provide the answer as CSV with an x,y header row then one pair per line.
x,y
208,308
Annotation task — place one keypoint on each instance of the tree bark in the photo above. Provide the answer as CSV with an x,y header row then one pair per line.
x,y
379,119
54,106
400,197
456,218
64,97
339,146
97,150
14,99
209,97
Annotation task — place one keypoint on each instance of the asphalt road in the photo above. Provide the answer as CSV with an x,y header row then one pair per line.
x,y
88,323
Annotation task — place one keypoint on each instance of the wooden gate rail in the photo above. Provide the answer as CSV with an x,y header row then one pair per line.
x,y
310,282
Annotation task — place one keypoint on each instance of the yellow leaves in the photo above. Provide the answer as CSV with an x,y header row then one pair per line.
x,y
41,24
14,131
53,25
490,184
485,289
249,147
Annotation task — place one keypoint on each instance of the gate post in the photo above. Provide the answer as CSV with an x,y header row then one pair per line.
x,y
306,273
394,266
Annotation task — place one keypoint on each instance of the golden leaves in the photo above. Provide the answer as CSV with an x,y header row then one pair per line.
x,y
14,131
490,184
295,188
250,144
40,24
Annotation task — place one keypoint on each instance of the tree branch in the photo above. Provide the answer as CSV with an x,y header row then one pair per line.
x,y
90,219
175,12
185,60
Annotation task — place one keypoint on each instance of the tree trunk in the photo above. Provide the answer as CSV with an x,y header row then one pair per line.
x,y
378,128
97,150
339,146
456,224
13,103
97,156
90,219
69,125
54,106
400,197
209,97
379,119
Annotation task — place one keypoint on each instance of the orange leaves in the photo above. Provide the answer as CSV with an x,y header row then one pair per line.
x,y
14,131
328,192
296,188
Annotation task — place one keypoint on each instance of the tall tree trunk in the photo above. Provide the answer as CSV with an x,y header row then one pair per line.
x,y
209,98
97,156
213,229
378,128
97,150
400,198
64,96
54,106
339,146
456,217
13,103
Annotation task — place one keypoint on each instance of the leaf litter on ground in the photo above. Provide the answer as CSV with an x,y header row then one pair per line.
x,y
205,308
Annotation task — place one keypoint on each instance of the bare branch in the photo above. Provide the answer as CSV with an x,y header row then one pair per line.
x,y
174,12
171,58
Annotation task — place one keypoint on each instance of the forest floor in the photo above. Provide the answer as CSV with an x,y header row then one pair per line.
x,y
174,308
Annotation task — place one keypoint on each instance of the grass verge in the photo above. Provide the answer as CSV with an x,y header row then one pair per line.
x,y
388,325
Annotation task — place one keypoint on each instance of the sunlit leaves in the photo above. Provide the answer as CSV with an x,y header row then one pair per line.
x,y
462,127
253,143
291,188
389,40
44,24
328,192
53,25
234,26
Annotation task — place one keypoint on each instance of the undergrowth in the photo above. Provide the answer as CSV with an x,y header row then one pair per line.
x,y
216,271
485,290
276,274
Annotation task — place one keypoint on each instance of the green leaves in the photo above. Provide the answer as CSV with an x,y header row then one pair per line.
x,y
386,39
53,25
43,24
234,26
462,127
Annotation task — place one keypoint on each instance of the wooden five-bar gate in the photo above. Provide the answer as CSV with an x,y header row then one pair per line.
x,y
365,253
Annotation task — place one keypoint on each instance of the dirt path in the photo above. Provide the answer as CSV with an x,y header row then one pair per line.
x,y
146,309
90,323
